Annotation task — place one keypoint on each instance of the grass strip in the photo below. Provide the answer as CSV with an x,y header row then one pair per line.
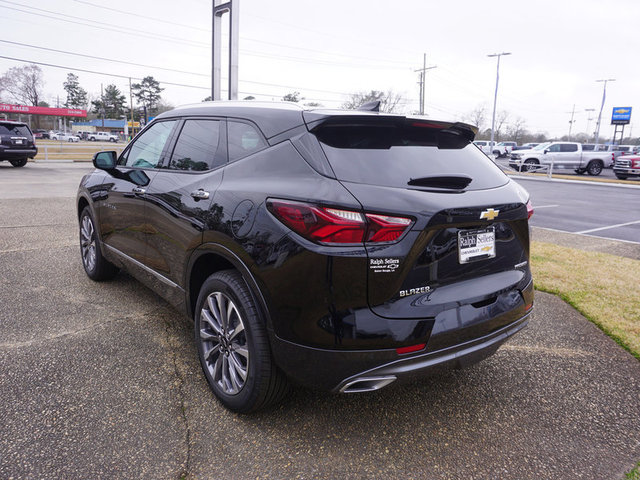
x,y
604,288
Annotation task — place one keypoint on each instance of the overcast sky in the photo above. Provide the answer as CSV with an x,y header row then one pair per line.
x,y
329,49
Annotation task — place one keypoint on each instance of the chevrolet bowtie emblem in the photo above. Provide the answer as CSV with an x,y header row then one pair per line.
x,y
489,214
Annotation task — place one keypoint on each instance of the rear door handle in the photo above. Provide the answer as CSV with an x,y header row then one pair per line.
x,y
138,191
200,194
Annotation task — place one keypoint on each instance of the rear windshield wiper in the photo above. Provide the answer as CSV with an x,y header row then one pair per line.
x,y
448,182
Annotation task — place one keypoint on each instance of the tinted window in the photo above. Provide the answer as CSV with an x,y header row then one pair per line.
x,y
10,129
588,148
147,148
568,147
197,146
392,156
554,148
244,139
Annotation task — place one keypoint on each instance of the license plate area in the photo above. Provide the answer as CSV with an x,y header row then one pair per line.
x,y
478,244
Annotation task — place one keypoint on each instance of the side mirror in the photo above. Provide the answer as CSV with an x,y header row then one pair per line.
x,y
546,151
105,160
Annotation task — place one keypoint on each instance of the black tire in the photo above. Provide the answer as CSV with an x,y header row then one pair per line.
x,y
112,140
95,265
497,153
529,164
21,162
594,167
621,177
580,171
226,349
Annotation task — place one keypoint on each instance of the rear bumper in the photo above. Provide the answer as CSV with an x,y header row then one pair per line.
x,y
17,153
365,370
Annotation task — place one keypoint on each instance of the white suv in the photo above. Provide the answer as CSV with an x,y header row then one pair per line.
x,y
102,136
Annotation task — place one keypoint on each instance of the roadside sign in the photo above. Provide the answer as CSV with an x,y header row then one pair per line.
x,y
621,116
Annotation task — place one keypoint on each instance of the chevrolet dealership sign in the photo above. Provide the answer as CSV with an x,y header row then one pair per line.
x,y
621,116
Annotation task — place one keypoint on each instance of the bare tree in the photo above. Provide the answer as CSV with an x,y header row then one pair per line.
x,y
389,100
501,118
516,130
24,84
478,116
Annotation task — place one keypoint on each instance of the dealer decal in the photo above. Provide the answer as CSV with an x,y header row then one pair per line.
x,y
384,265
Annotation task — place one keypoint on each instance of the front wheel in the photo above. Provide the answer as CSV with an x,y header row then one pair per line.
x,y
530,164
594,168
233,346
95,265
21,162
621,177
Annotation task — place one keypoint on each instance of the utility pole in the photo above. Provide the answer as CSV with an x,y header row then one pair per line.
x,y
102,109
589,118
131,102
423,73
573,112
495,96
604,95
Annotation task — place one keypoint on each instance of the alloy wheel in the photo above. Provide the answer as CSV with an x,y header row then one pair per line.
x,y
224,343
88,243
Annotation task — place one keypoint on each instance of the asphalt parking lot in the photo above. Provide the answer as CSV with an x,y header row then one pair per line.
x,y
103,381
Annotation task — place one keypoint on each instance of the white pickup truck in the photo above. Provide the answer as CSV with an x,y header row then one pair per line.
x,y
560,155
102,137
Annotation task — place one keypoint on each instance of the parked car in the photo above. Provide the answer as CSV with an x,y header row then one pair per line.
x,y
563,155
17,144
83,134
40,133
102,137
342,250
487,147
64,137
506,148
525,146
627,166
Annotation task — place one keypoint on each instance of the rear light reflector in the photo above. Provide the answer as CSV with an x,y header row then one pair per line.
x,y
411,349
337,226
529,209
528,307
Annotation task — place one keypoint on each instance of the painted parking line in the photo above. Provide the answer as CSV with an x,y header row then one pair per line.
x,y
587,235
608,227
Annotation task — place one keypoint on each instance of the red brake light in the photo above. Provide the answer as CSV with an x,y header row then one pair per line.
x,y
337,226
529,209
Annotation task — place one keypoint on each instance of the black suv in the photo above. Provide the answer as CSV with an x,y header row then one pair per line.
x,y
16,143
342,250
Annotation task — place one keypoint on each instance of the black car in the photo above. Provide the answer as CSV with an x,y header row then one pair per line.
x,y
342,250
16,143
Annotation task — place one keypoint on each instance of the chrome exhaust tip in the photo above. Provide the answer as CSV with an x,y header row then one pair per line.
x,y
367,384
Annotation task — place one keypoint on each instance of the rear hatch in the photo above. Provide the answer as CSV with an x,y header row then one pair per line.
x,y
15,136
464,257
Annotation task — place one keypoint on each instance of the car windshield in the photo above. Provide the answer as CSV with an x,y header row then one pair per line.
x,y
542,146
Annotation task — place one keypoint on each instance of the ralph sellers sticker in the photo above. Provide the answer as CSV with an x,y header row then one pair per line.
x,y
384,265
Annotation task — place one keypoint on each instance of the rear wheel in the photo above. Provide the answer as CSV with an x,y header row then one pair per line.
x,y
233,346
594,167
621,177
21,162
530,165
95,265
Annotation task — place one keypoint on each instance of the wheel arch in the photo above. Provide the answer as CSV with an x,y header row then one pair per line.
x,y
211,258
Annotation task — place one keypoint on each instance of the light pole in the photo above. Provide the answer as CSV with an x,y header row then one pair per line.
x,y
604,94
589,110
495,97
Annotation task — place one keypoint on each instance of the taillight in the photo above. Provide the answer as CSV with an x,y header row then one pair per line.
x,y
529,209
337,226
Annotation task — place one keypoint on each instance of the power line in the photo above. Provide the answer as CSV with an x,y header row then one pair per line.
x,y
167,38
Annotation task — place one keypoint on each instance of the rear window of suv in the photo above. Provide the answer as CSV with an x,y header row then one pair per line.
x,y
393,155
11,129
